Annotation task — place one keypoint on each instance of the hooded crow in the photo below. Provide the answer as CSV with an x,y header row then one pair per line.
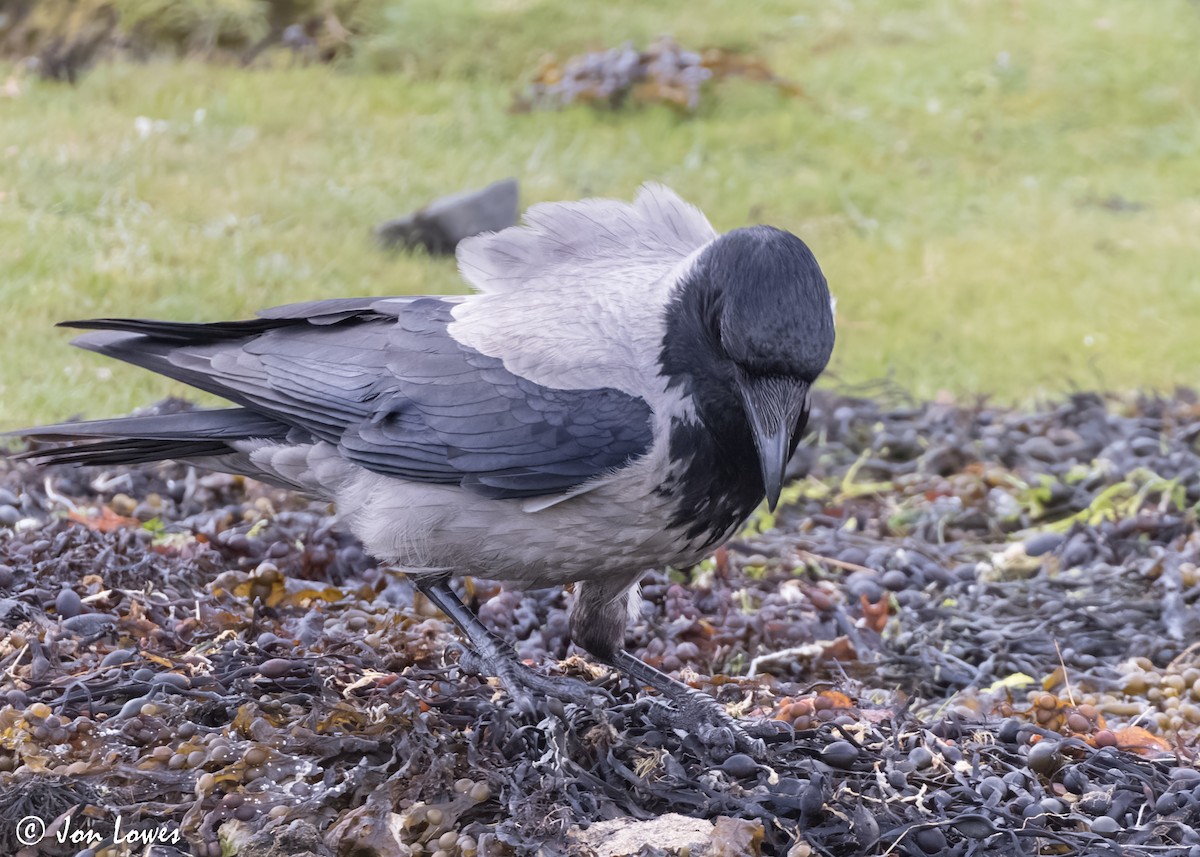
x,y
622,390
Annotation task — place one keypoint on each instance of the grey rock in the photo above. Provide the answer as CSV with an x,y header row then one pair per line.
x,y
9,516
86,624
1042,543
440,225
68,603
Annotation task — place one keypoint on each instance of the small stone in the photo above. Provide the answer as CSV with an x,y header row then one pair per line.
x,y
275,667
839,754
68,603
122,504
443,223
894,580
740,765
920,758
1044,757
931,840
86,624
1042,543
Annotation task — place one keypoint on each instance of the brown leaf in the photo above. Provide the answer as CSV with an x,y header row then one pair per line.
x,y
102,519
1137,740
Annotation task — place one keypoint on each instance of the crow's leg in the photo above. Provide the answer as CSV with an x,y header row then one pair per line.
x,y
489,655
598,625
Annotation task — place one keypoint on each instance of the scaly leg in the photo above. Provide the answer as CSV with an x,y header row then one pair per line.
x,y
489,655
598,625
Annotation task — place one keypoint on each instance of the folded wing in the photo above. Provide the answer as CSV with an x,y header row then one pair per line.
x,y
383,380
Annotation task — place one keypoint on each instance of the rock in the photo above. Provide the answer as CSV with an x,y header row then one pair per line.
x,y
68,603
86,624
671,833
1042,543
440,225
733,837
740,765
298,839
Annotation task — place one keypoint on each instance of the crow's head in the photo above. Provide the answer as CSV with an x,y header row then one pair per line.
x,y
767,320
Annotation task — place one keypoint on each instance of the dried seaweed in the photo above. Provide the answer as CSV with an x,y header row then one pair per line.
x,y
663,73
967,631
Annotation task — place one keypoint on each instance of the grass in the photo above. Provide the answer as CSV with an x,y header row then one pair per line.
x,y
1005,196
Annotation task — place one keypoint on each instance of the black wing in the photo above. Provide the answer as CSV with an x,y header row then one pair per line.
x,y
384,380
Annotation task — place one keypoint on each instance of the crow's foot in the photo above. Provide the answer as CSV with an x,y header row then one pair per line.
x,y
490,656
526,687
703,716
689,709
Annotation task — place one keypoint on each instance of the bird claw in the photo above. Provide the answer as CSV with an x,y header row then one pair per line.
x,y
701,715
525,686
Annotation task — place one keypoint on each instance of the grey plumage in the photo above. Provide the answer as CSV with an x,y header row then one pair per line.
x,y
621,391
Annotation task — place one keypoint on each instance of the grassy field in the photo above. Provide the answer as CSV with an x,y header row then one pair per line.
x,y
1005,196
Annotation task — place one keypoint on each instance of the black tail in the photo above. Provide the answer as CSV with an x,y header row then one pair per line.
x,y
187,352
137,440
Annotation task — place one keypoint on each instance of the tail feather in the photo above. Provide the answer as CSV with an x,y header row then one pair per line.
x,y
178,331
157,437
161,354
185,352
132,451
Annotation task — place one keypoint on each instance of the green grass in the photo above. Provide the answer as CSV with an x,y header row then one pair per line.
x,y
949,166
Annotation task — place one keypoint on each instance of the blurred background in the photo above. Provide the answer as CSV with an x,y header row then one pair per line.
x,y
1004,195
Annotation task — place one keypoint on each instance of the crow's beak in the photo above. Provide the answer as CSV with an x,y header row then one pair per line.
x,y
778,411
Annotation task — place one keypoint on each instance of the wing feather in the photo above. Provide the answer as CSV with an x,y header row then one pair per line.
x,y
385,381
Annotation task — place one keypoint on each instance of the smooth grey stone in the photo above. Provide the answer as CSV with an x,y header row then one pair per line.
x,y
440,225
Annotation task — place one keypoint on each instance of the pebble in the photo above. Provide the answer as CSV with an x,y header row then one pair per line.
x,y
740,765
275,667
931,840
840,754
86,624
117,657
894,580
1043,543
920,758
1044,757
68,603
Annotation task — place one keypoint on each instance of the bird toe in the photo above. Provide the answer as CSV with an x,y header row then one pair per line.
x,y
702,715
528,689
